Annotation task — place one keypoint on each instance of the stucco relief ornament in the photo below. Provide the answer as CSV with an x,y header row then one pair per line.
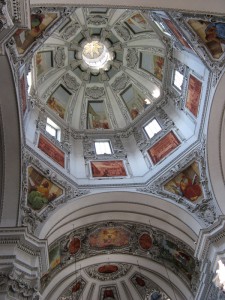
x,y
11,46
5,19
217,73
74,64
19,287
123,32
219,279
106,272
120,82
60,57
95,92
70,31
3,281
132,58
97,20
71,82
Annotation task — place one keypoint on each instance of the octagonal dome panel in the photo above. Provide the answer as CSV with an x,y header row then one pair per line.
x,y
101,71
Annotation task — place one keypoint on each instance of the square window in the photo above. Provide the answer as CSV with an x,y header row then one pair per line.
x,y
152,128
53,129
103,147
178,80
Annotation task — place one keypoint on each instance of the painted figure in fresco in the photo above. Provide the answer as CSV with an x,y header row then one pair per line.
x,y
53,104
97,122
158,67
36,20
215,37
215,31
40,195
134,112
190,189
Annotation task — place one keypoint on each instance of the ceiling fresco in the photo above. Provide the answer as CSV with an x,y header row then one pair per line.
x,y
74,291
109,292
121,238
103,75
39,22
145,286
108,272
75,42
187,184
41,191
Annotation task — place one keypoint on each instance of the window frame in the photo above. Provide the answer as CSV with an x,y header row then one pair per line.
x,y
173,83
103,141
158,123
55,127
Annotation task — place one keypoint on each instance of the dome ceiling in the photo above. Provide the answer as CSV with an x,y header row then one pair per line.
x,y
104,75
94,57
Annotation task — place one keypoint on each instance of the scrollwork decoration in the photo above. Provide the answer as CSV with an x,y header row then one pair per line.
x,y
95,92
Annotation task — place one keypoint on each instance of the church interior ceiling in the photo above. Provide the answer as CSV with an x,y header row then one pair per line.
x,y
101,75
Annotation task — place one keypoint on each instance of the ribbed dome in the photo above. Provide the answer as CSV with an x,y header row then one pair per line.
x,y
101,71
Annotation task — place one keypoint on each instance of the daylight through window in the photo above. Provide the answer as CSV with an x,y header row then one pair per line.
x,y
178,79
53,129
152,128
29,81
103,148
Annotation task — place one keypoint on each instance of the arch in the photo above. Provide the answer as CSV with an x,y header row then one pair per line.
x,y
10,147
169,281
216,144
123,206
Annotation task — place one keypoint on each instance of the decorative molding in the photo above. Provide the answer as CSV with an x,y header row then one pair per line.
x,y
165,123
123,32
122,270
71,82
5,18
118,150
132,58
146,288
133,232
120,82
70,31
30,218
127,290
95,92
19,278
109,292
41,127
74,290
19,288
205,211
60,57
97,20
